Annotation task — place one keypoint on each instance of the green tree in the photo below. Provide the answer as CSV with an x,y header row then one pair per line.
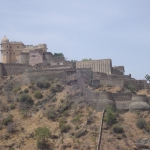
x,y
110,117
42,134
85,59
147,77
58,55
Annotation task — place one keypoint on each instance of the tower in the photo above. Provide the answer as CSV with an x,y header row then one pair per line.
x,y
5,50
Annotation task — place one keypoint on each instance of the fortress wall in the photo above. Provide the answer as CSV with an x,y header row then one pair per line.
x,y
49,74
138,84
14,69
122,96
123,105
112,82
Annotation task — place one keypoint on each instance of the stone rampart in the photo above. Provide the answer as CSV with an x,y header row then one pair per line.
x,y
13,69
122,96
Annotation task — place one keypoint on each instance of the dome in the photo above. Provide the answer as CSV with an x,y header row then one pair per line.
x,y
5,40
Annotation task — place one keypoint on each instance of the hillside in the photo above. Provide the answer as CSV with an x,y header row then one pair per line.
x,y
62,108
65,104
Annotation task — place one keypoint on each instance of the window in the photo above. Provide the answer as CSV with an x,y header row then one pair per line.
x,y
57,63
13,53
17,46
7,52
7,46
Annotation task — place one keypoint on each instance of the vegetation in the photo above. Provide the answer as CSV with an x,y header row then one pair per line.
x,y
25,101
26,90
57,88
117,128
24,113
58,55
51,114
12,106
42,134
86,59
64,127
110,117
42,83
38,94
147,77
141,123
7,120
131,87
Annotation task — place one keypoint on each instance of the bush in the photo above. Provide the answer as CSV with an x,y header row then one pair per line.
x,y
53,89
38,94
63,127
12,106
51,114
42,134
117,128
141,123
7,120
77,119
26,90
57,88
131,87
110,117
42,83
24,113
25,101
80,133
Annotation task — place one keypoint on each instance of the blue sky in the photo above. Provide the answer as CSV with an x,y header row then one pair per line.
x,y
118,29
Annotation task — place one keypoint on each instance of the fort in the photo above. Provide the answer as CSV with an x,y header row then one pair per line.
x,y
35,61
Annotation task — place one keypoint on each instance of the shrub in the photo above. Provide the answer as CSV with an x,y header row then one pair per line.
x,y
24,113
26,90
7,120
20,92
53,89
42,83
51,114
25,101
80,133
42,134
12,106
141,123
38,94
131,87
64,127
57,88
110,117
77,119
117,128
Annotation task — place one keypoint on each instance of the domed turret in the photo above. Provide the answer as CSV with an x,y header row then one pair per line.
x,y
5,40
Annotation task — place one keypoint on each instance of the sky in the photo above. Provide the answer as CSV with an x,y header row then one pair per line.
x,y
96,29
